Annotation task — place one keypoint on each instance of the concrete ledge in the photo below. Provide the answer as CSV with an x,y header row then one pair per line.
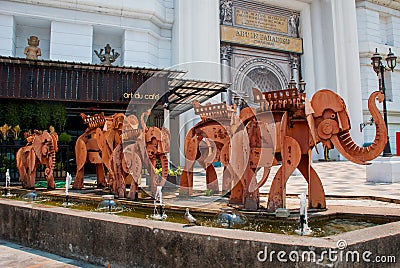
x,y
129,242
384,170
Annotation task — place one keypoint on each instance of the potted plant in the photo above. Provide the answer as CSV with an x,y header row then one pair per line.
x,y
16,131
173,177
4,132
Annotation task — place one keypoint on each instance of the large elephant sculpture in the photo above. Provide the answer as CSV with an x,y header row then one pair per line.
x,y
300,125
96,145
140,147
284,129
40,150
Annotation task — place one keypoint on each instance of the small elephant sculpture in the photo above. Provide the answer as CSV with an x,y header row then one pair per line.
x,y
96,144
208,142
140,147
40,150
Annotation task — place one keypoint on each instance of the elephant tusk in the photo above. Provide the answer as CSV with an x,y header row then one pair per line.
x,y
338,145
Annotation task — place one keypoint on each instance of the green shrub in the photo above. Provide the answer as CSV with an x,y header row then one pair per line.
x,y
64,138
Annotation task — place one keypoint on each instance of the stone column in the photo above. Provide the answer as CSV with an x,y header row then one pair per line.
x,y
196,38
7,35
226,55
348,61
294,65
167,124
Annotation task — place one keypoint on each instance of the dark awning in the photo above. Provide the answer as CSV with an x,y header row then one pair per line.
x,y
73,82
183,92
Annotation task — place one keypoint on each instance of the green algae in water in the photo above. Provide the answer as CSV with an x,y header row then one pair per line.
x,y
320,227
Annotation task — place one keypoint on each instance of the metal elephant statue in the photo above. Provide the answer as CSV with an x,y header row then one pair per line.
x,y
300,126
40,150
140,147
96,144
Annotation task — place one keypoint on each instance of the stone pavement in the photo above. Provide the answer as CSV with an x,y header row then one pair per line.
x,y
16,256
339,179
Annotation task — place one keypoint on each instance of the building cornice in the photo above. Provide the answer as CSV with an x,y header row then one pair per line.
x,y
395,4
151,10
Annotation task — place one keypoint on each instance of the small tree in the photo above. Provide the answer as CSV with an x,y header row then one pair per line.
x,y
43,114
59,116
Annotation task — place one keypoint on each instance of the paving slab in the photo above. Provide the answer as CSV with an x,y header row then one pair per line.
x,y
17,256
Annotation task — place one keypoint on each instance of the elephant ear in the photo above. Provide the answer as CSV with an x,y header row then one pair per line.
x,y
80,153
100,139
37,146
132,163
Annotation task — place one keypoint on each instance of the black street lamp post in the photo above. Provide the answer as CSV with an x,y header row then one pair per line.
x,y
380,68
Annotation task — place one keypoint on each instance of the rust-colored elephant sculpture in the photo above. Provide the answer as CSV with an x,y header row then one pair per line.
x,y
300,125
208,142
40,150
96,144
140,147
255,141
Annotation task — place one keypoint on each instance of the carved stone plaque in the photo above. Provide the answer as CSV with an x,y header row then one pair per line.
x,y
261,39
260,20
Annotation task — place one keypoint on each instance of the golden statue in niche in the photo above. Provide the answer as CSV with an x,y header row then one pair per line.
x,y
107,58
32,51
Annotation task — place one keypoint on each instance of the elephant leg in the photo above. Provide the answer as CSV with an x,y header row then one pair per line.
x,y
78,182
212,179
23,176
186,183
226,181
50,178
133,190
316,193
237,194
164,166
251,198
31,179
291,156
133,164
101,177
191,155
153,177
121,189
118,184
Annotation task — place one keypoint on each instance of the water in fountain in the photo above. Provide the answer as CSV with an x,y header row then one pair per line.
x,y
304,228
108,205
158,212
31,196
230,218
7,186
68,180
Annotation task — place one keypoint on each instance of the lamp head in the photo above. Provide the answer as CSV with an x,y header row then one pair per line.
x,y
376,61
391,60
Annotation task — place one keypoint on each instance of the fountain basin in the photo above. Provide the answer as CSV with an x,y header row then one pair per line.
x,y
125,242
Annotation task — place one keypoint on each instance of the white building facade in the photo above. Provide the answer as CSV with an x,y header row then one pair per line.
x,y
337,37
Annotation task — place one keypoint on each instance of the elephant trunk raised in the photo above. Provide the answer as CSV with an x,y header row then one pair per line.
x,y
332,125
